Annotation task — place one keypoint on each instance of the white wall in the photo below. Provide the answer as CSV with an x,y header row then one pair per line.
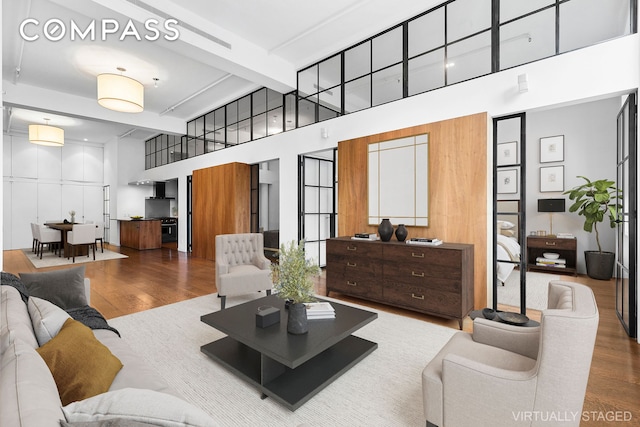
x,y
589,131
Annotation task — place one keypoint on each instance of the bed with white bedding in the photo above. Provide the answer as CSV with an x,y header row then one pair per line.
x,y
508,250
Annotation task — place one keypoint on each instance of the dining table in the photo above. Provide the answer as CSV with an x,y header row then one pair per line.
x,y
64,227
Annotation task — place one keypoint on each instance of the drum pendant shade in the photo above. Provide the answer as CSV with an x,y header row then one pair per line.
x,y
120,93
46,135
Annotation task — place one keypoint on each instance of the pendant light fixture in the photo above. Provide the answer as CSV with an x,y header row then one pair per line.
x,y
120,93
46,135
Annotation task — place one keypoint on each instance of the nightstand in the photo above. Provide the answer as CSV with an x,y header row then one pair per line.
x,y
567,248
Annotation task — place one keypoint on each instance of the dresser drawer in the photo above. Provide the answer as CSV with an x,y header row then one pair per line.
x,y
433,276
348,264
350,248
423,299
356,285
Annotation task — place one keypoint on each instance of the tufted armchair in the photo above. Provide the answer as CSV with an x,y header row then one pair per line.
x,y
241,266
504,375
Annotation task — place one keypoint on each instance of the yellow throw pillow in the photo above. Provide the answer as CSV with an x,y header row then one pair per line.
x,y
81,365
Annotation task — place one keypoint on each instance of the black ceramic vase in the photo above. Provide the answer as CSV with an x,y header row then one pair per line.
x,y
401,233
385,230
297,321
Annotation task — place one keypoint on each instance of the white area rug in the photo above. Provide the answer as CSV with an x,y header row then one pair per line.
x,y
50,259
537,288
384,389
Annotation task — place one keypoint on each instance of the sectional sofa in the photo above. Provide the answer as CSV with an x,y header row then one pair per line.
x,y
57,371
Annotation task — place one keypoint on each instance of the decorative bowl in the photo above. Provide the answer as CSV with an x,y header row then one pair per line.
x,y
136,217
551,255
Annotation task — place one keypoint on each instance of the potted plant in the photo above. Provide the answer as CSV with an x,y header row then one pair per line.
x,y
597,200
292,279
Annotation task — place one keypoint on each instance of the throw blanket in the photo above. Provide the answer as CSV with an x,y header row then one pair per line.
x,y
87,315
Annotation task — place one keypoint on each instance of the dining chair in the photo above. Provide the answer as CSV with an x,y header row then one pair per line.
x,y
81,235
100,235
47,237
34,242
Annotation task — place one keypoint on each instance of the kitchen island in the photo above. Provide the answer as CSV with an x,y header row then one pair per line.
x,y
140,233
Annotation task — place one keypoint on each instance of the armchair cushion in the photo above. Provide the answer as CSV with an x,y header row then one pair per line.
x,y
517,339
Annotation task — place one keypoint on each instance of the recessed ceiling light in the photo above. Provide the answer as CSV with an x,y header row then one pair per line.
x,y
85,139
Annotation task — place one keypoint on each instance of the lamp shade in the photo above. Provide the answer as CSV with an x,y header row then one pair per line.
x,y
551,205
46,135
120,93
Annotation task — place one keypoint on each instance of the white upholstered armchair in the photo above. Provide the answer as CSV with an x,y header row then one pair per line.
x,y
241,266
504,375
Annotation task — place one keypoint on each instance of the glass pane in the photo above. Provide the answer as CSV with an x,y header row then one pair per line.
x,y
586,22
274,99
322,261
311,249
311,172
191,128
191,147
326,200
466,17
357,61
220,118
331,99
326,174
326,114
306,112
274,121
426,72
232,112
510,9
259,126
528,39
325,227
259,101
387,49
308,81
199,146
387,85
312,232
290,109
232,134
244,107
209,122
330,73
200,126
469,58
311,201
244,131
426,33
357,94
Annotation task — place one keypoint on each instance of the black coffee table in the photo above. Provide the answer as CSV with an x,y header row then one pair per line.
x,y
289,368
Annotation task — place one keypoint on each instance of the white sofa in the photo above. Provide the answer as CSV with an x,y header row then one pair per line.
x,y
30,396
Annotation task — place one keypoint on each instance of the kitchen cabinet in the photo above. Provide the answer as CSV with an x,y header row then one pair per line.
x,y
141,234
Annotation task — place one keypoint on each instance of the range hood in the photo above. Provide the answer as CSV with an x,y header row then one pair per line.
x,y
159,191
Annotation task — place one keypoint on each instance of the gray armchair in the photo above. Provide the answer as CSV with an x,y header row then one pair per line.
x,y
504,375
241,266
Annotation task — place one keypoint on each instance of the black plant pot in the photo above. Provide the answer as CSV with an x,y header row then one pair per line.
x,y
599,264
297,320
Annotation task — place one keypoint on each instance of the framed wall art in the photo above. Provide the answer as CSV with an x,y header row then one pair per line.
x,y
507,153
551,179
508,181
552,149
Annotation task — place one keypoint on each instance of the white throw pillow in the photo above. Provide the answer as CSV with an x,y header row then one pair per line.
x,y
47,319
505,225
138,405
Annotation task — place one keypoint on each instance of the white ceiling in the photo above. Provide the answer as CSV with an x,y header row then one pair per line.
x,y
227,48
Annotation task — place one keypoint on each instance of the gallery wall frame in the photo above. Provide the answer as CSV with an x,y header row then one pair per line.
x,y
551,179
552,149
508,181
507,153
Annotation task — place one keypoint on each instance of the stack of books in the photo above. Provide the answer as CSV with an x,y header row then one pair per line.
x,y
564,236
365,236
424,241
320,310
546,262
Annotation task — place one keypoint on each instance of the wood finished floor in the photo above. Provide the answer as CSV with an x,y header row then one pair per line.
x,y
153,278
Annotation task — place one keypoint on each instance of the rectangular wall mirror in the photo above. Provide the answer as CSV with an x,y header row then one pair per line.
x,y
398,175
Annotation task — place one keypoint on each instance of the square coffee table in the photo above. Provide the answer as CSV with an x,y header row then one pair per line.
x,y
289,368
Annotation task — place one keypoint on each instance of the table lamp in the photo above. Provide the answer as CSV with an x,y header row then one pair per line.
x,y
551,206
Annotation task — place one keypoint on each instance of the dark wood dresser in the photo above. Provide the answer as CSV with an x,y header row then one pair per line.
x,y
436,280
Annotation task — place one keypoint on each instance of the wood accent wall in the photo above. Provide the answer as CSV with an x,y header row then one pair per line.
x,y
221,205
457,187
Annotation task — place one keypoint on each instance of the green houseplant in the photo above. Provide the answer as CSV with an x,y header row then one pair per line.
x,y
292,279
596,201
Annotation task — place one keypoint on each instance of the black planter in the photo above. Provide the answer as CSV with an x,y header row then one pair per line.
x,y
297,320
599,264
385,230
401,233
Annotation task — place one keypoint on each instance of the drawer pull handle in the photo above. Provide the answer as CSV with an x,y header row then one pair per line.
x,y
352,248
415,255
350,283
550,243
417,296
414,274
351,264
